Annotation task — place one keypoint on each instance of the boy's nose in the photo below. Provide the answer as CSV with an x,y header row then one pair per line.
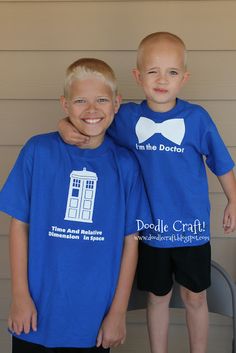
x,y
162,78
92,108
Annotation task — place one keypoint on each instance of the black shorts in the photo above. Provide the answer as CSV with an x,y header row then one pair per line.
x,y
20,346
189,266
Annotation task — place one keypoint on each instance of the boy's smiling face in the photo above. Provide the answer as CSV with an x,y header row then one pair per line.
x,y
161,73
91,107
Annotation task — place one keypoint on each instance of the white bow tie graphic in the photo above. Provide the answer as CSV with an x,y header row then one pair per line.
x,y
172,129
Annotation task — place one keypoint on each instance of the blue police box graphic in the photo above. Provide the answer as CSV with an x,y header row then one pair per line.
x,y
81,196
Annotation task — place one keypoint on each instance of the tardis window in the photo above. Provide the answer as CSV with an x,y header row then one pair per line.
x,y
75,192
76,183
89,184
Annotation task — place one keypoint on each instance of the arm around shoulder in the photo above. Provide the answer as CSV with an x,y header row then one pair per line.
x,y
70,134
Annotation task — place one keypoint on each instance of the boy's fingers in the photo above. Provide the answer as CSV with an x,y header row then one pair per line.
x,y
229,224
226,223
10,324
99,338
81,139
110,342
27,326
115,344
34,321
78,133
233,225
226,219
17,328
229,230
106,344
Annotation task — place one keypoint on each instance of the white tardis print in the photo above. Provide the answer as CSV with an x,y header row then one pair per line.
x,y
81,196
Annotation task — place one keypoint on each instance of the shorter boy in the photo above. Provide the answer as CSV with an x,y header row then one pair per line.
x,y
72,246
171,138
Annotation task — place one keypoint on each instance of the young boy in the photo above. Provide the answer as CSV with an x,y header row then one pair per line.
x,y
72,265
170,137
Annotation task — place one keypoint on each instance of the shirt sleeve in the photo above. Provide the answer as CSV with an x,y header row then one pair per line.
x,y
137,204
121,126
15,194
217,156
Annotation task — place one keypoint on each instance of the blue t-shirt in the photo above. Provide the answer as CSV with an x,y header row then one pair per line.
x,y
79,205
171,148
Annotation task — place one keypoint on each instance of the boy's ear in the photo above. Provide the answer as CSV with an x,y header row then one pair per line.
x,y
136,74
118,100
64,104
186,77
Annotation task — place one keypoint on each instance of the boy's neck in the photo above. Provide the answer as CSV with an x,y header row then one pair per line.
x,y
161,107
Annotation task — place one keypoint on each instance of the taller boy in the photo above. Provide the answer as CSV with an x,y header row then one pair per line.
x,y
170,138
72,247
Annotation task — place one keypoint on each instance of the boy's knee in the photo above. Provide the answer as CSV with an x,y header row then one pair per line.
x,y
154,300
193,300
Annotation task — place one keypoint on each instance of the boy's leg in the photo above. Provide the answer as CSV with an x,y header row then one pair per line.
x,y
196,318
158,322
192,272
155,276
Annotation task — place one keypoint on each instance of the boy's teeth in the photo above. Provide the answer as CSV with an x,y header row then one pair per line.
x,y
92,121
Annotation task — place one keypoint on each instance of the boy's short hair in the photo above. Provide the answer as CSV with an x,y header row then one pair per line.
x,y
159,36
90,67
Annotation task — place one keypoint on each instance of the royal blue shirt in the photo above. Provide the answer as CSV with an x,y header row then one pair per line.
x,y
79,205
171,148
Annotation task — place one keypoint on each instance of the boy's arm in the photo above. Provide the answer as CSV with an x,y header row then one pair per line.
x,y
113,328
23,314
228,184
70,134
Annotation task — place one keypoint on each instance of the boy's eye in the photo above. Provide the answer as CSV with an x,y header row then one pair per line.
x,y
80,101
173,73
152,72
103,100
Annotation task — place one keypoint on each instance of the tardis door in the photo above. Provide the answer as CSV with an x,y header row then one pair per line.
x,y
80,201
74,199
87,200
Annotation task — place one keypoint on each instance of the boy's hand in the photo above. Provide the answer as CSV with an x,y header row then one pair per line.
x,y
70,134
229,220
22,316
113,331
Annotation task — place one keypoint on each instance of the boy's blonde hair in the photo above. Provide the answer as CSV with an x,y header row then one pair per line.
x,y
159,36
90,67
